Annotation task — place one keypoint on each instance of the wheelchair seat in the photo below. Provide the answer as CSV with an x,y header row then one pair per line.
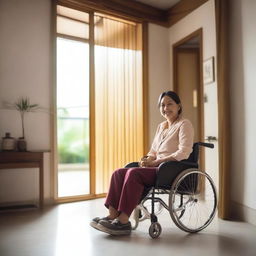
x,y
168,171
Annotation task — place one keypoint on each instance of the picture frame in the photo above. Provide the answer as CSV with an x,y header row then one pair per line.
x,y
208,71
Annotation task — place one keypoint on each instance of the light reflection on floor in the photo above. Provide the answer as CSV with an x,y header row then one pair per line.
x,y
73,180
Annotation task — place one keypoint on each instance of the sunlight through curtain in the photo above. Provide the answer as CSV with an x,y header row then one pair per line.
x,y
118,96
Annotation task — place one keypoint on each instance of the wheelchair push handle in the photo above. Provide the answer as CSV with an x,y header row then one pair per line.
x,y
204,144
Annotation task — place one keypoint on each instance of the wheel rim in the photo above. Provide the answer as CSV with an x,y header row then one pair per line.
x,y
199,200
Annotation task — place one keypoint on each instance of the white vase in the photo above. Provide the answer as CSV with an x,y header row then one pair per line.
x,y
8,143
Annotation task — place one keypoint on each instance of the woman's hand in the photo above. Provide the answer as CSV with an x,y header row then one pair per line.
x,y
152,163
148,161
145,160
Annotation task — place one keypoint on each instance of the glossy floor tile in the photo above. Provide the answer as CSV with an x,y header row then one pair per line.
x,y
64,230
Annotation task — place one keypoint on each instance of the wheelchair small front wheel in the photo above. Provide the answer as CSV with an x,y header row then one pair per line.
x,y
155,230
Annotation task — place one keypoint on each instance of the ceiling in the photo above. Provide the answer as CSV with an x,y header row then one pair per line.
x,y
160,4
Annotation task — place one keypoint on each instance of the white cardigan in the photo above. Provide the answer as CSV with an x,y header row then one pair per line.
x,y
176,142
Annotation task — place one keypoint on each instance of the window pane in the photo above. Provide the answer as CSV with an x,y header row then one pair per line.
x,y
73,28
71,13
73,117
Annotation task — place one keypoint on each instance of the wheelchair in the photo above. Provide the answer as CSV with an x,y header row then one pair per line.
x,y
191,192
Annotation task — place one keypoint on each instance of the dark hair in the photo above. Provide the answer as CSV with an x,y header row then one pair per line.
x,y
174,96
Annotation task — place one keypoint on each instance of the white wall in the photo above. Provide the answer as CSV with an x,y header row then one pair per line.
x,y
243,107
25,70
203,17
159,73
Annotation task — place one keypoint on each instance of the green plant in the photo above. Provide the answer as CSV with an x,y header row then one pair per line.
x,y
23,106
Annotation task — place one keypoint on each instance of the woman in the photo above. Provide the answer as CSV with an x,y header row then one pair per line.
x,y
173,142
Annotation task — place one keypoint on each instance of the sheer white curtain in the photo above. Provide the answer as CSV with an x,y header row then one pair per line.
x,y
118,96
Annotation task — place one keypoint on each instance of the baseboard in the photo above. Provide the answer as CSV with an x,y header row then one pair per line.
x,y
49,201
24,205
18,206
243,213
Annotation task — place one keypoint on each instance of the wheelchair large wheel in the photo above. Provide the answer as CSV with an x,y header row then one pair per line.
x,y
192,200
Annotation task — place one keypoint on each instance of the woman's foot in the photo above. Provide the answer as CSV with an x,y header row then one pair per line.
x,y
115,227
113,213
94,223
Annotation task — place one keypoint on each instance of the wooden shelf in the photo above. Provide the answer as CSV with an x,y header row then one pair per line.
x,y
28,159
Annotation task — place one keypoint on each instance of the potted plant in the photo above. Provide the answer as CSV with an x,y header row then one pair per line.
x,y
24,106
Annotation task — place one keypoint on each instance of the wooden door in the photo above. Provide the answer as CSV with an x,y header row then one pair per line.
x,y
188,85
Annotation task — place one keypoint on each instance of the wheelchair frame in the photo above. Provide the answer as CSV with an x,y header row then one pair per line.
x,y
190,186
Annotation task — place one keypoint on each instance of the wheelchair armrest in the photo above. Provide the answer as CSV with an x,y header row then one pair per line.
x,y
132,164
168,171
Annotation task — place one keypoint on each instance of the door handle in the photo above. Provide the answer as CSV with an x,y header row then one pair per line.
x,y
211,138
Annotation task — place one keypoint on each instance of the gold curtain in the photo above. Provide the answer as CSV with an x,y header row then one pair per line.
x,y
118,96
221,7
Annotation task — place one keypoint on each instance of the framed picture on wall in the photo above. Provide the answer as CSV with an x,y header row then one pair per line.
x,y
208,70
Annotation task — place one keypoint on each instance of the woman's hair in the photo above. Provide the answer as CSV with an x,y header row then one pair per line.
x,y
174,96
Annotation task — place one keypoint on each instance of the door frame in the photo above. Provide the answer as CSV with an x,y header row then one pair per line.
x,y
198,33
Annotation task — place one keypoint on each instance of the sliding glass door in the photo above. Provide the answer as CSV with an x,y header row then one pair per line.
x,y
99,117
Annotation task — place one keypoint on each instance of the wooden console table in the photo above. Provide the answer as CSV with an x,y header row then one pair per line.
x,y
13,160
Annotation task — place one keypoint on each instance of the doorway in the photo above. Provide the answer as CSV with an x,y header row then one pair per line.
x,y
187,80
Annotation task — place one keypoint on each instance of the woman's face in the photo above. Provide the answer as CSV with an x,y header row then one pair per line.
x,y
169,108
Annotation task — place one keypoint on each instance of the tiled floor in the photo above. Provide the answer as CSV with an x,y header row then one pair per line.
x,y
64,230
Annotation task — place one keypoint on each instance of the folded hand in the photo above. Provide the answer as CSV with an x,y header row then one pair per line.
x,y
148,161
